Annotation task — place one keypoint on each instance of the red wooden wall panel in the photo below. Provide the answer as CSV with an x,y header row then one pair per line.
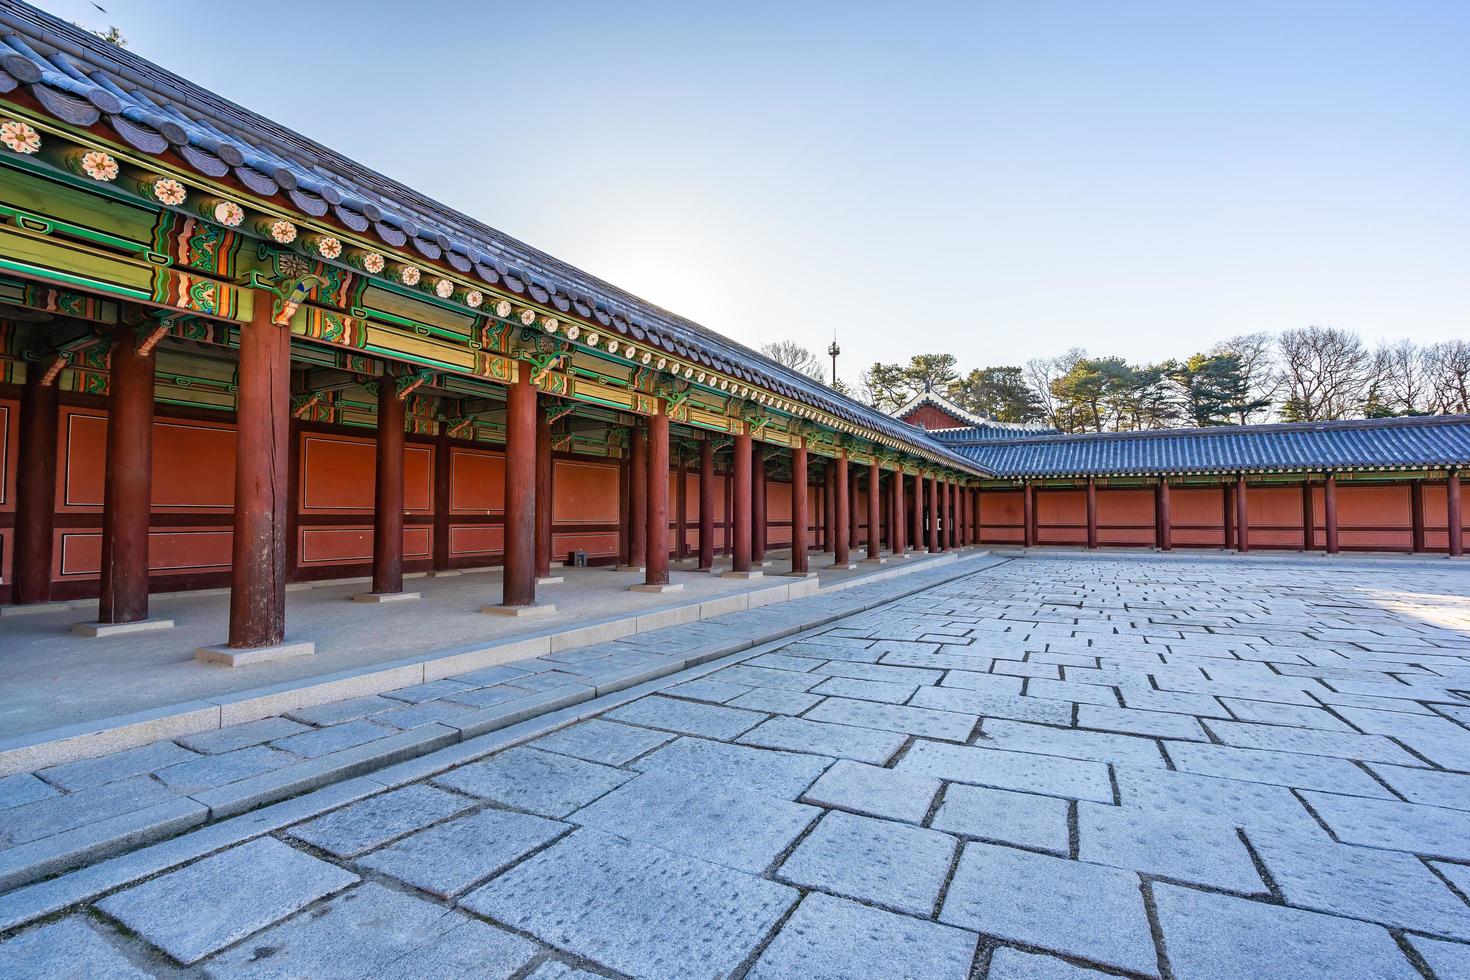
x,y
1125,517
1001,515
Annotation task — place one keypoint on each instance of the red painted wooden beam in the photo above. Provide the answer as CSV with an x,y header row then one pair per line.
x,y
658,498
842,501
875,479
900,513
1242,516
706,503
933,508
388,495
1452,507
1091,512
1309,518
1416,516
1166,516
757,503
1329,512
638,499
798,507
741,557
1028,515
544,491
262,491
519,586
128,485
35,490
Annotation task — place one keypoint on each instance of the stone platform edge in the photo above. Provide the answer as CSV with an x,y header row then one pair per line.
x,y
86,740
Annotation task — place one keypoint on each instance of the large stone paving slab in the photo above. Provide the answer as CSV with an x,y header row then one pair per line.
x,y
601,741
210,904
1364,883
824,738
375,821
874,861
65,950
373,931
832,937
1205,852
451,857
1083,910
718,822
769,771
1430,830
1022,771
641,910
1220,937
688,717
547,783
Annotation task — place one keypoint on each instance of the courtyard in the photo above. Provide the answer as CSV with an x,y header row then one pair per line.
x,y
1050,767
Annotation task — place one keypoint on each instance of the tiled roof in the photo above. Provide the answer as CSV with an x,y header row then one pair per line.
x,y
1428,442
81,79
989,430
999,430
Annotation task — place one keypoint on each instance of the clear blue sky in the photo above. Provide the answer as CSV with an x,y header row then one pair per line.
x,y
995,180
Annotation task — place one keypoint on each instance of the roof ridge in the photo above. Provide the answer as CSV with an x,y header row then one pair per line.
x,y
1324,425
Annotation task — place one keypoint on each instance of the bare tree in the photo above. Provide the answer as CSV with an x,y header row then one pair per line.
x,y
1042,373
791,354
1447,370
1402,377
1325,373
1257,353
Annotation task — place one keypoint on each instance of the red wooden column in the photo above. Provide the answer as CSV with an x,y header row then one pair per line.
x,y
656,578
875,484
388,498
841,556
1329,511
798,508
934,510
961,515
852,505
829,507
916,515
543,491
1242,516
1309,519
949,521
35,489
758,503
681,508
262,492
1416,516
941,514
1028,515
900,513
1165,515
962,504
1452,506
128,490
442,460
521,415
1091,512
975,517
1227,505
741,517
637,500
706,503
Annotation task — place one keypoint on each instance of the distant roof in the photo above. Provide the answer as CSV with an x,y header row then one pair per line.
x,y
1363,444
80,79
978,425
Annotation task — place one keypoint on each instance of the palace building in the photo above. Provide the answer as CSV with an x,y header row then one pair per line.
x,y
232,357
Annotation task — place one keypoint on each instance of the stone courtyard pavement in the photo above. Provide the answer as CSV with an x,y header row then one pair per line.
x,y
1047,769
